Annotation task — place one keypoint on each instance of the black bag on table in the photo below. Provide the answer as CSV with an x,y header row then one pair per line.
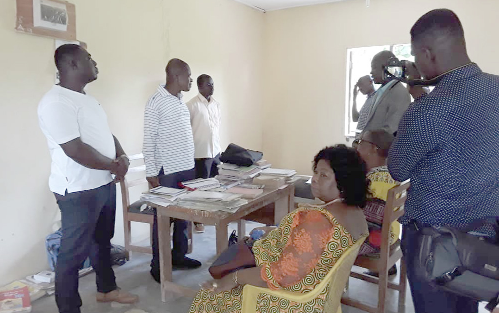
x,y
462,263
235,154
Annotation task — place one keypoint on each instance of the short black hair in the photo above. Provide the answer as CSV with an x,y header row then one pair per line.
x,y
437,22
63,53
349,170
202,78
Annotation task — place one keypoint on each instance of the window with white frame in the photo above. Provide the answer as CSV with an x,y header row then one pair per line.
x,y
358,65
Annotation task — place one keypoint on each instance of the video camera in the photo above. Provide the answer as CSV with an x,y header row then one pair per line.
x,y
394,69
397,69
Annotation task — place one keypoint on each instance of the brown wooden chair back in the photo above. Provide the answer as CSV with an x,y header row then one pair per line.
x,y
389,255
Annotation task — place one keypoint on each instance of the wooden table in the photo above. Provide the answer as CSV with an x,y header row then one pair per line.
x,y
284,203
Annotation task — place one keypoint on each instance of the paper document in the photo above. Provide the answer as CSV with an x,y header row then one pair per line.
x,y
279,172
167,191
209,195
158,199
202,183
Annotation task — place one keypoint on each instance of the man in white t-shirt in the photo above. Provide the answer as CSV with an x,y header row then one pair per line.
x,y
84,154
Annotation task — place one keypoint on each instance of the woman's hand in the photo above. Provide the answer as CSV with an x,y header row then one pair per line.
x,y
218,285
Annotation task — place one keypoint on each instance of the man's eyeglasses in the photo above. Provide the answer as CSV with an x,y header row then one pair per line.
x,y
357,142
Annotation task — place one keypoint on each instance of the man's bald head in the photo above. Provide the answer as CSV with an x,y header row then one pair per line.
x,y
364,79
175,67
383,57
377,64
365,85
178,76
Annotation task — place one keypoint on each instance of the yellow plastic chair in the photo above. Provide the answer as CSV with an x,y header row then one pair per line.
x,y
336,279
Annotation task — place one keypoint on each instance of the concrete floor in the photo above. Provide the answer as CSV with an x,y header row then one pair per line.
x,y
134,276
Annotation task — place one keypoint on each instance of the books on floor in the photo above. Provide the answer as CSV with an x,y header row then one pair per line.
x,y
35,292
44,286
15,300
48,287
45,277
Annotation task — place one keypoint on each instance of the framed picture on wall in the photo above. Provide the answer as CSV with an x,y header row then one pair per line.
x,y
49,18
50,14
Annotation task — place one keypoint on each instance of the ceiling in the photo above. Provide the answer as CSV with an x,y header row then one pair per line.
x,y
270,5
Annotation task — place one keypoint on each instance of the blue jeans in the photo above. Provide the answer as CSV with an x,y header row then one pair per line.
x,y
179,239
87,228
426,297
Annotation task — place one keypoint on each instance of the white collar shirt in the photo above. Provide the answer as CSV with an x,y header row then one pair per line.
x,y
205,122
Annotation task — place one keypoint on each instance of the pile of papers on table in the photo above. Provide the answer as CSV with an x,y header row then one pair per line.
x,y
211,201
166,191
201,184
235,172
226,192
279,172
163,196
263,164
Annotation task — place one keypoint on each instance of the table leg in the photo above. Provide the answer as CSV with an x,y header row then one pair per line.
x,y
281,208
222,236
241,230
175,290
291,200
165,253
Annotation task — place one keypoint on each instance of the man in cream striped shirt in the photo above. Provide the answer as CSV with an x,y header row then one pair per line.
x,y
169,153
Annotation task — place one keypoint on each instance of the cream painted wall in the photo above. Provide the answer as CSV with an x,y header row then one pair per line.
x,y
131,42
280,77
305,75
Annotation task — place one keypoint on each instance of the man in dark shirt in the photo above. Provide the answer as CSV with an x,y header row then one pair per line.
x,y
447,145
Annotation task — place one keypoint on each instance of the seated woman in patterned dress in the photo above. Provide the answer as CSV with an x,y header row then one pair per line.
x,y
373,147
297,254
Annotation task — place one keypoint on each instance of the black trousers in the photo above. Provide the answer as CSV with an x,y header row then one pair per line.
x,y
206,168
180,241
87,228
